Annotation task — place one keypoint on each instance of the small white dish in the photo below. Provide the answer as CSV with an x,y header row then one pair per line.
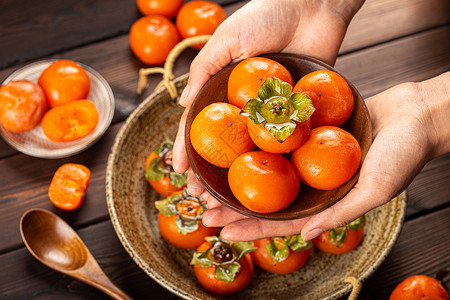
x,y
35,143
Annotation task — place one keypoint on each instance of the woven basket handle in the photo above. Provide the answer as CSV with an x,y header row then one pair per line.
x,y
357,285
168,67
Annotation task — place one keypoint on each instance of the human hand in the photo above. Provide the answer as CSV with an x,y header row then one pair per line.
x,y
410,127
314,28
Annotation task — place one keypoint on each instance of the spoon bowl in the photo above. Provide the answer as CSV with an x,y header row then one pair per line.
x,y
55,244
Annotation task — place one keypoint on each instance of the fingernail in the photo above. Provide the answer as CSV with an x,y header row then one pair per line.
x,y
184,95
312,234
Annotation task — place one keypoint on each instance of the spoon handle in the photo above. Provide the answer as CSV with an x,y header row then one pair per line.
x,y
92,274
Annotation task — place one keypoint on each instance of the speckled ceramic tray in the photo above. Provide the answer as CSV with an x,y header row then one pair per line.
x,y
130,202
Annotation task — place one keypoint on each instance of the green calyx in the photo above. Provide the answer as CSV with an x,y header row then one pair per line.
x,y
337,236
279,108
161,166
278,247
189,210
224,256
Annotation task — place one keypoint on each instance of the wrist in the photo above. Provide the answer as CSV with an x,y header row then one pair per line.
x,y
436,97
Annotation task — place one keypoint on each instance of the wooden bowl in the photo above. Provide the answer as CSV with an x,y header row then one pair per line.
x,y
130,201
309,200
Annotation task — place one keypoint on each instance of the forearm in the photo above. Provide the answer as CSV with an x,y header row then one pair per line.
x,y
436,98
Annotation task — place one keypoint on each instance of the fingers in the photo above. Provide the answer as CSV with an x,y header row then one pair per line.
x,y
195,188
248,229
180,161
221,216
212,202
354,205
214,56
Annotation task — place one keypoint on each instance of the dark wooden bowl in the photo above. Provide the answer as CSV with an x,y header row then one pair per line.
x,y
309,200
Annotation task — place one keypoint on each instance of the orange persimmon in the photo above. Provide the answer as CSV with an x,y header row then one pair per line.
x,y
70,121
219,134
198,18
267,142
22,105
263,182
69,185
64,81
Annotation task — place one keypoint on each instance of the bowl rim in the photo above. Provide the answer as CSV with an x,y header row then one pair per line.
x,y
273,216
70,151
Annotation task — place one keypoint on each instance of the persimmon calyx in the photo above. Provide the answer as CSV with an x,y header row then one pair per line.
x,y
358,223
337,236
278,107
189,210
224,256
278,247
161,166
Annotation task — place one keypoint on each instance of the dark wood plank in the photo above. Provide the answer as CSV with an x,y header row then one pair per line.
x,y
27,278
429,191
33,29
26,186
422,248
413,58
383,20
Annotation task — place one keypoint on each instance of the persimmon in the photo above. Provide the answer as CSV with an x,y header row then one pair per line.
x,y
170,233
419,287
70,121
198,18
222,267
159,171
281,255
159,7
265,141
69,185
64,81
151,39
179,220
328,158
263,182
331,96
343,239
219,134
22,105
247,76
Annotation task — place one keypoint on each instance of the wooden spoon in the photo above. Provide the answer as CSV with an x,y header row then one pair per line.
x,y
55,244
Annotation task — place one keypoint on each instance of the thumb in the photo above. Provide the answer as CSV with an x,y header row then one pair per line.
x,y
358,201
213,57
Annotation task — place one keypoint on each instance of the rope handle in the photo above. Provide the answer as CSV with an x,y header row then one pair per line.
x,y
357,285
168,66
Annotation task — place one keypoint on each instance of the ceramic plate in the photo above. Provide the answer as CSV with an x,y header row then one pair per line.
x,y
130,202
35,143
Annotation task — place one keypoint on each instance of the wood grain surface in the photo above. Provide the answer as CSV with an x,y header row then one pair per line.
x,y
388,42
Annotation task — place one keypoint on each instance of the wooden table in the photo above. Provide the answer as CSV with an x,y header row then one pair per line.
x,y
388,42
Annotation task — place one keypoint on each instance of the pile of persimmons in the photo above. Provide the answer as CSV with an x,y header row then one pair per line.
x,y
155,34
266,109
57,102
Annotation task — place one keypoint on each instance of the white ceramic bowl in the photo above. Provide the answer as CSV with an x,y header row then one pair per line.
x,y
35,143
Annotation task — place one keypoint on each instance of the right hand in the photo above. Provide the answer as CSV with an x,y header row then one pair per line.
x,y
313,28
